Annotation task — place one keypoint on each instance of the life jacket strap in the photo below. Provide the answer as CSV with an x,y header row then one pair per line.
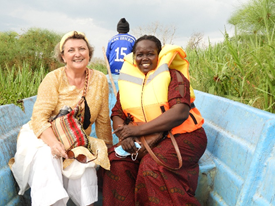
x,y
192,116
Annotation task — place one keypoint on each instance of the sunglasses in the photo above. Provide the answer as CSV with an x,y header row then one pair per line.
x,y
81,157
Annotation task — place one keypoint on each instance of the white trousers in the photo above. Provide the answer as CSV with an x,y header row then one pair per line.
x,y
50,187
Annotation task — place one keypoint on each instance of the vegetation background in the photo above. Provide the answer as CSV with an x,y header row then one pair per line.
x,y
241,68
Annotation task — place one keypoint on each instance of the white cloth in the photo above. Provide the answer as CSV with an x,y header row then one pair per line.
x,y
76,169
36,168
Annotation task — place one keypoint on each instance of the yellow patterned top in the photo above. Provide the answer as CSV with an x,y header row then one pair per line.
x,y
55,91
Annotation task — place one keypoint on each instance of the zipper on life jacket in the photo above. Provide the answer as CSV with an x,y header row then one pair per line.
x,y
142,105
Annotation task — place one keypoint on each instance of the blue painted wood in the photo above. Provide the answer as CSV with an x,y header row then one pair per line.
x,y
11,120
241,140
238,167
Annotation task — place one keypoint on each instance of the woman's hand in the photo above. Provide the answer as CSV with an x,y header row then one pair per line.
x,y
125,131
117,132
57,149
128,145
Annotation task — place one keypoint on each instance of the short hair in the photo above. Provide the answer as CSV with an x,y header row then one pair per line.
x,y
151,38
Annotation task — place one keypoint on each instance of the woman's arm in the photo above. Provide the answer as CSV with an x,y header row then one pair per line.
x,y
165,122
173,117
102,124
50,139
46,102
118,117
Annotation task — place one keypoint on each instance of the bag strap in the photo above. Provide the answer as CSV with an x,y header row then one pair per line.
x,y
85,86
156,158
86,82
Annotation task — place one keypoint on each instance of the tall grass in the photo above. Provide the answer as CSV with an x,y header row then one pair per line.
x,y
34,47
98,64
25,60
241,68
17,83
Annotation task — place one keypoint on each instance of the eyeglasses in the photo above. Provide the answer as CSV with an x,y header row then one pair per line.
x,y
81,157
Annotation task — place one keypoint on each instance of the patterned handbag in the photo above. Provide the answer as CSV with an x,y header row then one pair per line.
x,y
67,125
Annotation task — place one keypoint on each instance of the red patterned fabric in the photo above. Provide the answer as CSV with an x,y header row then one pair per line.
x,y
68,129
146,183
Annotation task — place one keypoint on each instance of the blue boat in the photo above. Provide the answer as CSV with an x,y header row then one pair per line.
x,y
237,169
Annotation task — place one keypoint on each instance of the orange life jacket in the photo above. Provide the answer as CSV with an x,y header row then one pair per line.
x,y
142,95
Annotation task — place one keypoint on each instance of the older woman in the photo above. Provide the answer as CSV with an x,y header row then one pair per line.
x,y
39,157
151,79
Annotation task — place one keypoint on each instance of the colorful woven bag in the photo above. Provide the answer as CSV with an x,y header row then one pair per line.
x,y
68,127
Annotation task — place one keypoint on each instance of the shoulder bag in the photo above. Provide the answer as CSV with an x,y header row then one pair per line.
x,y
67,125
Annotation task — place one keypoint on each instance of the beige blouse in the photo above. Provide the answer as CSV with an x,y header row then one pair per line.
x,y
55,91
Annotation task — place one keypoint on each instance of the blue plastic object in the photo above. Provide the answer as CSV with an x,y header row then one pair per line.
x,y
238,167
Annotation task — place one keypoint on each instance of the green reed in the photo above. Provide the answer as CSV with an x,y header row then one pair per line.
x,y
241,68
34,47
19,83
25,59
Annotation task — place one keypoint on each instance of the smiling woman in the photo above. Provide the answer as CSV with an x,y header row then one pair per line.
x,y
154,88
146,56
48,169
76,53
